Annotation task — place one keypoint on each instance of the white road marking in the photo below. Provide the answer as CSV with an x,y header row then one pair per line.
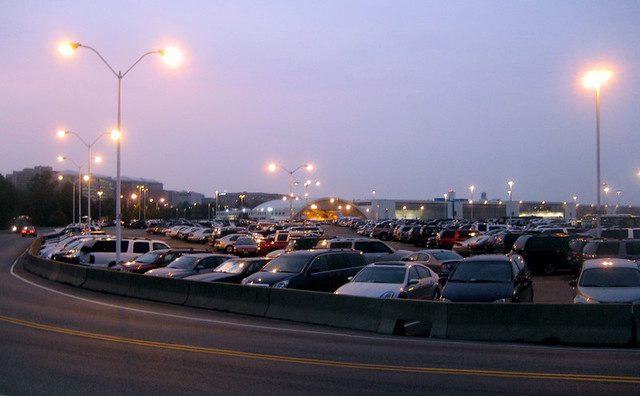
x,y
274,328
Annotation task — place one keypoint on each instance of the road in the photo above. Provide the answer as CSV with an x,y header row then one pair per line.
x,y
56,339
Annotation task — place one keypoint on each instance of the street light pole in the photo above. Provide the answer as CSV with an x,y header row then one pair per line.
x,y
172,57
471,189
273,167
594,79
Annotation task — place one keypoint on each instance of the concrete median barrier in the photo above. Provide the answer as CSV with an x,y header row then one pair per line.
x,y
70,274
104,280
360,313
37,265
168,290
597,324
635,308
397,313
229,297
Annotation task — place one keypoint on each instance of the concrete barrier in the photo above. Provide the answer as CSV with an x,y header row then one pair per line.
x,y
396,313
569,324
635,308
71,274
36,265
168,290
359,313
104,280
229,297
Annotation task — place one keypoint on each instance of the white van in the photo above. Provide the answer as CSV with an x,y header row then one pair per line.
x,y
102,252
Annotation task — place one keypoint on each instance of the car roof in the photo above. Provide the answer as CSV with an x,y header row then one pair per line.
x,y
352,239
202,255
609,262
314,252
488,257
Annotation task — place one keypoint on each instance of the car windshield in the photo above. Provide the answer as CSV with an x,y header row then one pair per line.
x,y
482,271
446,256
381,275
147,258
287,263
232,267
184,262
610,277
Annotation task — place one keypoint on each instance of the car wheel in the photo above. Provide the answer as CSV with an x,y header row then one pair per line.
x,y
549,268
229,249
111,264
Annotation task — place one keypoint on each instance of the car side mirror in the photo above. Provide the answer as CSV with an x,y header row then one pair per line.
x,y
350,278
573,283
412,282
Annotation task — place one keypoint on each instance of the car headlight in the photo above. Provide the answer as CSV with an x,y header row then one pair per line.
x,y
388,294
281,284
502,301
14,228
580,299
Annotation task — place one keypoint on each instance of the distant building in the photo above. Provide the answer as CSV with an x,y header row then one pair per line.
x,y
21,179
130,185
179,197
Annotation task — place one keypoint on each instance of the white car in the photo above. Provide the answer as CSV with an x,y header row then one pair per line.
x,y
394,280
102,252
608,280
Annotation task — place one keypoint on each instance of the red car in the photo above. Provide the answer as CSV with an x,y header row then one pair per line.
x,y
447,238
279,241
245,246
29,231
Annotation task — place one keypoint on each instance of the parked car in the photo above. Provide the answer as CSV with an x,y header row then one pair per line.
x,y
102,252
382,231
612,248
490,278
276,241
232,270
544,254
319,270
620,233
244,246
609,280
479,244
154,259
372,249
447,238
190,264
575,256
441,261
227,242
395,279
200,235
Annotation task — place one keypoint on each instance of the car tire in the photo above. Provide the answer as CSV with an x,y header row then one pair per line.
x,y
229,249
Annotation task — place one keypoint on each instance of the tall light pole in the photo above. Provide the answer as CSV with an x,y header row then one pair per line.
x,y
594,80
62,133
100,204
172,57
63,158
471,189
241,196
606,196
510,183
274,167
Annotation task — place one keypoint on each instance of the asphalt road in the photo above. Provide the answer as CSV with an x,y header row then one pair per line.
x,y
56,339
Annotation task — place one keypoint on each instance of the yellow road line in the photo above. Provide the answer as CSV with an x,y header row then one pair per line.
x,y
323,362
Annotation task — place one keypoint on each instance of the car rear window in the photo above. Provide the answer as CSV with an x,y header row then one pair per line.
x,y
447,234
616,234
340,245
482,272
608,248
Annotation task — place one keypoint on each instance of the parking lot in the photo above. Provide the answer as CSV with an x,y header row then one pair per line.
x,y
552,289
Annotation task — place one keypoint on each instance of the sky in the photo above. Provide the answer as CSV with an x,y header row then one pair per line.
x,y
407,98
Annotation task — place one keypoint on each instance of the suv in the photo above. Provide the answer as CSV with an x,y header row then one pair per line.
x,y
544,254
102,252
372,249
447,238
623,248
318,270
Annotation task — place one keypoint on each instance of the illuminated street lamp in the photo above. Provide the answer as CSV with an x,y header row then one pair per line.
x,y
594,80
62,158
606,190
100,204
471,190
172,57
61,134
272,167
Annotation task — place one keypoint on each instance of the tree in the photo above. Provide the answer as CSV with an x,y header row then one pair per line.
x,y
9,200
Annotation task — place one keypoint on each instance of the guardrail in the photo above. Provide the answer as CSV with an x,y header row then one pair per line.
x,y
565,324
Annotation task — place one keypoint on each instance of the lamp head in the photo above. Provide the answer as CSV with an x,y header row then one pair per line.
x,y
595,78
61,158
62,133
67,48
172,56
115,134
309,167
272,167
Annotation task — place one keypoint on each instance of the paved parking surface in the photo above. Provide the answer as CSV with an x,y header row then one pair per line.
x,y
547,289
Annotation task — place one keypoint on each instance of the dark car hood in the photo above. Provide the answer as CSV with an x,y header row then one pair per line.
x,y
476,292
269,278
217,277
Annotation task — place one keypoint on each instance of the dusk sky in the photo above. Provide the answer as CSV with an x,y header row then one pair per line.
x,y
408,98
